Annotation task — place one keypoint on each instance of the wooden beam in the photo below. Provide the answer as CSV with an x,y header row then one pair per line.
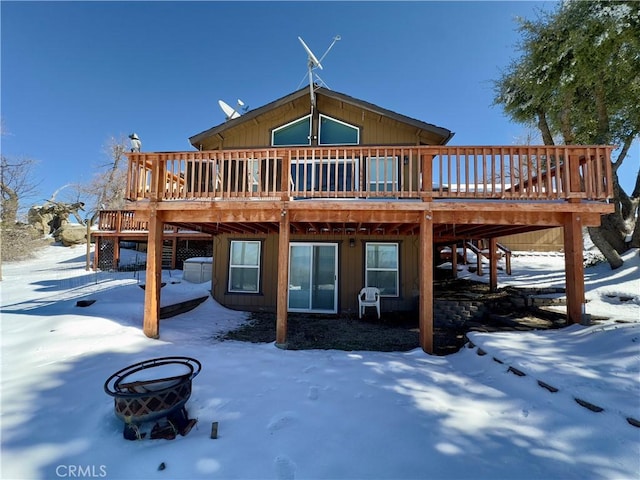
x,y
574,268
283,280
426,282
463,206
151,323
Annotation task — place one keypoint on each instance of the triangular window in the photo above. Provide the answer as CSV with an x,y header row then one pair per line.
x,y
297,132
335,132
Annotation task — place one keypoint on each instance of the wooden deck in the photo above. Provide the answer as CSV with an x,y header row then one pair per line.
x,y
429,172
441,195
471,192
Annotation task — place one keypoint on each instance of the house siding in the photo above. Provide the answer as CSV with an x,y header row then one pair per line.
x,y
549,240
350,272
375,129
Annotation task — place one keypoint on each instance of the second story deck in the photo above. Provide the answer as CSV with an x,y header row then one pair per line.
x,y
543,173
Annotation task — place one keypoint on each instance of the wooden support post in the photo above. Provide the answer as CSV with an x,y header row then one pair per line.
x,y
116,253
493,265
283,280
426,282
174,249
151,326
285,178
454,261
573,169
88,252
479,270
96,252
574,267
426,165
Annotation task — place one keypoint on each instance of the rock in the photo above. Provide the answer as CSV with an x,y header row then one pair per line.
x,y
39,220
71,234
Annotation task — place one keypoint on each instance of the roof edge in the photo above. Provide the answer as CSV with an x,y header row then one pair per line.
x,y
442,132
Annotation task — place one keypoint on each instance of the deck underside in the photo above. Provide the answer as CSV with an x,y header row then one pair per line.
x,y
452,220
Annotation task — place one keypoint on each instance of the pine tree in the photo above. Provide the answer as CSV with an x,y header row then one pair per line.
x,y
578,80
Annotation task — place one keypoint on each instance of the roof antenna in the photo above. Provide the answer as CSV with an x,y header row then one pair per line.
x,y
230,112
313,63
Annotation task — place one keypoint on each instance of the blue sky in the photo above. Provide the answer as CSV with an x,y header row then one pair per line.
x,y
76,73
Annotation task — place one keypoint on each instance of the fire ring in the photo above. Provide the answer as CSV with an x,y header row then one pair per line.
x,y
152,390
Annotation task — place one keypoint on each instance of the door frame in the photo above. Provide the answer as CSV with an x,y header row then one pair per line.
x,y
335,246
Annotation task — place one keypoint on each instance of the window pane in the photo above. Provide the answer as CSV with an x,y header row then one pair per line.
x,y
244,280
382,174
245,253
330,176
333,132
382,268
382,256
386,281
295,133
244,266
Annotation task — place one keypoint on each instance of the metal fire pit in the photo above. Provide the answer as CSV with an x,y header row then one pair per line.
x,y
153,389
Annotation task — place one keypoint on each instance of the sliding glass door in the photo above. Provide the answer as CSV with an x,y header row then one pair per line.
x,y
313,278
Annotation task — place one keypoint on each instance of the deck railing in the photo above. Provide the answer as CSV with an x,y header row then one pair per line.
x,y
121,221
114,222
429,172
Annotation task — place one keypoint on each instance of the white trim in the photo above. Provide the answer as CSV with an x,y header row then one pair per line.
x,y
273,132
255,267
334,286
357,129
396,270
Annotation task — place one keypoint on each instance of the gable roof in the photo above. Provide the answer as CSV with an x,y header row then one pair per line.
x,y
441,132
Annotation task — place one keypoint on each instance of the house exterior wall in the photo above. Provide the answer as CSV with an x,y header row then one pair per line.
x,y
257,134
351,272
375,129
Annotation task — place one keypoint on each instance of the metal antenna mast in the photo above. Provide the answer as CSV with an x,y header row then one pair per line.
x,y
313,63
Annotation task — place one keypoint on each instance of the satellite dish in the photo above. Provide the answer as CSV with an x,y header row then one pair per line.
x,y
230,112
314,63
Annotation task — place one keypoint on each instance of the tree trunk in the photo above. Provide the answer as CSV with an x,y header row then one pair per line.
x,y
9,206
635,238
635,200
543,126
613,257
614,232
611,236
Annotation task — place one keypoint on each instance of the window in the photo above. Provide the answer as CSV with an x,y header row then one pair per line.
x,y
330,132
297,132
335,132
381,267
328,175
382,174
244,266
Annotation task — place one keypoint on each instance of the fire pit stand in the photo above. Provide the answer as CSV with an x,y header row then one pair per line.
x,y
154,390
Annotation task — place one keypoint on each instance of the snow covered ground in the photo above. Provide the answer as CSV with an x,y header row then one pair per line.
x,y
316,414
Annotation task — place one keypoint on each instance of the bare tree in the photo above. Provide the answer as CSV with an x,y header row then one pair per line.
x,y
17,181
106,188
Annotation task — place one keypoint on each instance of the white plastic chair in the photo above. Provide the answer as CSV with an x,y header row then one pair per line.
x,y
369,297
